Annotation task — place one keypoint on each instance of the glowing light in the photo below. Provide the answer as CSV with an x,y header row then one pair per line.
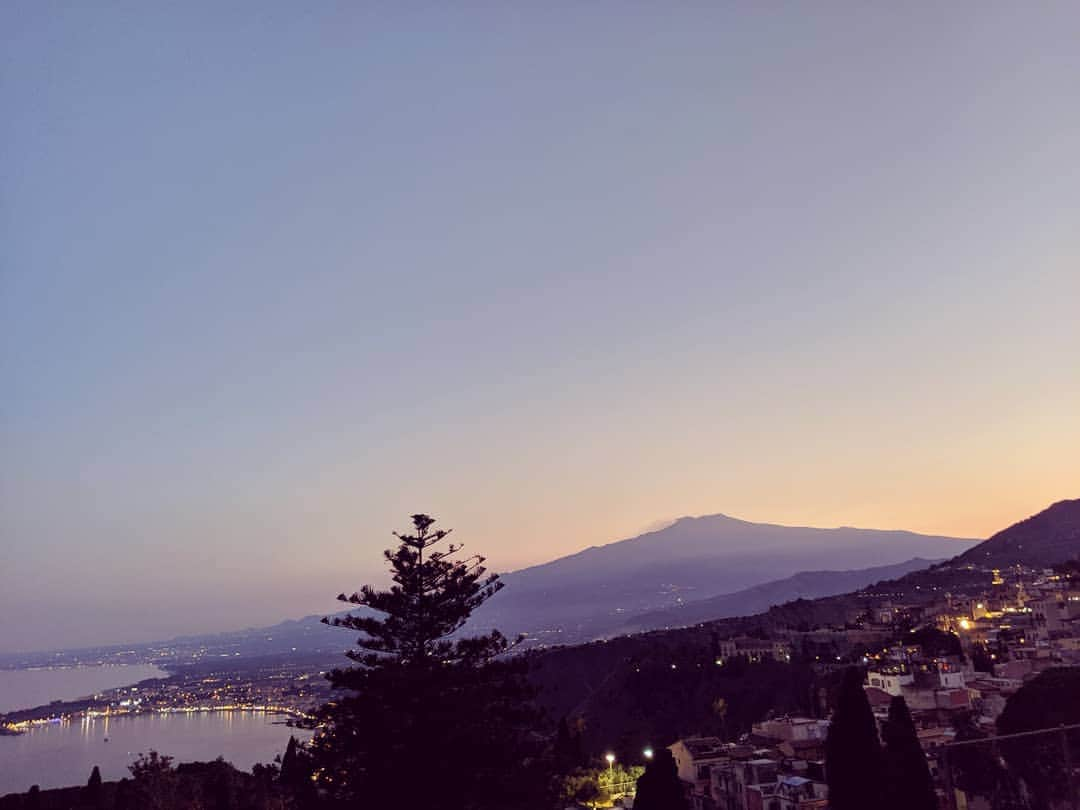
x,y
610,758
648,753
965,624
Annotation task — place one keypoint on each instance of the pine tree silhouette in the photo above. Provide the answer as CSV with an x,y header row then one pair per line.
x,y
427,718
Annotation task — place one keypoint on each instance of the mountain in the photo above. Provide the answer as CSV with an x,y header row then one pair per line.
x,y
650,687
1052,536
594,592
615,588
804,585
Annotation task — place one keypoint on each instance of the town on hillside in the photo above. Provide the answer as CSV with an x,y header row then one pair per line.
x,y
972,651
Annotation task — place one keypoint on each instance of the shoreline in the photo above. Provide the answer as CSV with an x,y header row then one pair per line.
x,y
81,702
19,727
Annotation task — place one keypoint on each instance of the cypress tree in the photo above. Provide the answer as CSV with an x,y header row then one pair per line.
x,y
659,787
427,718
295,775
92,793
854,768
289,765
910,785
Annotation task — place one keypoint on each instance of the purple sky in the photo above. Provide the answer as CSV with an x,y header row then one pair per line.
x,y
273,277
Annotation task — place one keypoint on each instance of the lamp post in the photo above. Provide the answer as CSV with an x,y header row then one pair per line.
x,y
610,767
648,753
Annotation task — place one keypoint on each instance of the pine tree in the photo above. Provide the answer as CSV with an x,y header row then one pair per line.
x,y
427,719
909,783
854,768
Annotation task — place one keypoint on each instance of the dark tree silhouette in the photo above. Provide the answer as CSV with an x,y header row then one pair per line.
x,y
659,787
910,785
974,769
854,768
294,778
569,753
293,770
1050,700
935,642
155,782
981,660
92,793
125,795
427,718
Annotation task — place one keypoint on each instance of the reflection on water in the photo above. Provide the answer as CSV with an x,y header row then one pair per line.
x,y
63,754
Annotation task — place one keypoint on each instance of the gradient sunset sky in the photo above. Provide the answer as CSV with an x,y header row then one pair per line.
x,y
273,276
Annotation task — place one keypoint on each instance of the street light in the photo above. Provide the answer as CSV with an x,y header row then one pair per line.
x,y
610,765
648,753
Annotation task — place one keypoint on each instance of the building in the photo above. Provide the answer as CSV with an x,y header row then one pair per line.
x,y
791,729
890,680
695,758
788,793
755,649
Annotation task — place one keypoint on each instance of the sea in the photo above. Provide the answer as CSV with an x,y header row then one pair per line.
x,y
62,754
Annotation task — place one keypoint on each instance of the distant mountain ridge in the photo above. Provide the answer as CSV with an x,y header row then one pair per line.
x,y
1049,537
597,590
623,586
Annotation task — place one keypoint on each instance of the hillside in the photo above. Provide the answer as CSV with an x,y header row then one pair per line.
x,y
1052,536
656,685
804,585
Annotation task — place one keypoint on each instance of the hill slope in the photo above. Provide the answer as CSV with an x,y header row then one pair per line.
x,y
652,687
804,585
1052,536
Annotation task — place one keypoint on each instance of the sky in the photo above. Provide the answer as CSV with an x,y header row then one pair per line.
x,y
275,276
